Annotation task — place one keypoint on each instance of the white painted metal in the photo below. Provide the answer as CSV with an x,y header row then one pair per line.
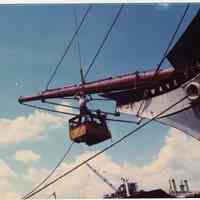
x,y
184,116
153,106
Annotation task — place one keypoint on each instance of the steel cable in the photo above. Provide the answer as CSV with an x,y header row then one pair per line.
x,y
35,191
104,40
167,49
135,131
68,46
52,172
172,38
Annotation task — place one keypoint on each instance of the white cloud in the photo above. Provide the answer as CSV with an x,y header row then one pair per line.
x,y
23,128
26,156
33,126
7,175
179,158
32,175
65,108
81,183
5,170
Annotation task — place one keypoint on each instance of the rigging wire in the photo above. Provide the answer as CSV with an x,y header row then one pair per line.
x,y
130,133
78,46
48,109
167,49
73,114
68,46
75,107
121,120
93,99
172,38
101,99
104,40
61,104
52,172
81,191
135,131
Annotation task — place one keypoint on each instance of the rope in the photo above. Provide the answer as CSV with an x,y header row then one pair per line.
x,y
167,49
48,109
68,46
78,46
67,106
93,99
107,148
172,38
63,105
35,191
104,40
52,172
120,120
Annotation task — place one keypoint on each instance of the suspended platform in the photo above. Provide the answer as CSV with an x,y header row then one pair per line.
x,y
91,131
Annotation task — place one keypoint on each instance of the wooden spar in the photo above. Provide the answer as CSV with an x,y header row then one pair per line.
x,y
104,85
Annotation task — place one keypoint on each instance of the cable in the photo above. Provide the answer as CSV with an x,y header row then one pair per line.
x,y
121,120
68,106
51,173
172,38
104,40
93,99
60,104
73,114
33,192
68,98
167,49
79,49
68,46
48,109
106,148
101,99
78,41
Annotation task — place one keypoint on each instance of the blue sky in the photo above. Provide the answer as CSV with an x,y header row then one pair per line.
x,y
32,39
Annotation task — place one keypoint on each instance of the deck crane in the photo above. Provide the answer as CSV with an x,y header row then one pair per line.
x,y
53,195
126,189
102,177
143,94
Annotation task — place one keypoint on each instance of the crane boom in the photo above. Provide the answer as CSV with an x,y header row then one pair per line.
x,y
101,177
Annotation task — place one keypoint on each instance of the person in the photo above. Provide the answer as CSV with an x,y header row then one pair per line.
x,y
102,117
82,101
